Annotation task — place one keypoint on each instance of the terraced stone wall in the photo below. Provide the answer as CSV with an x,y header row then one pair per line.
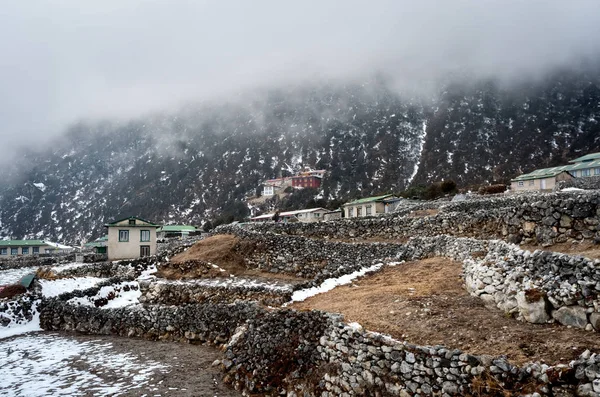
x,y
529,218
200,291
317,354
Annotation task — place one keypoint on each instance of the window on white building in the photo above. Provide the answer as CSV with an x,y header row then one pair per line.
x,y
520,183
597,171
25,250
368,210
531,182
123,236
351,212
144,235
358,211
14,251
586,172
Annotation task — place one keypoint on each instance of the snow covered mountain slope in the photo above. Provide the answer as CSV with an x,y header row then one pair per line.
x,y
188,165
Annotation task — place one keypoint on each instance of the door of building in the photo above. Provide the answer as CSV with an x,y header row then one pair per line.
x,y
144,250
542,184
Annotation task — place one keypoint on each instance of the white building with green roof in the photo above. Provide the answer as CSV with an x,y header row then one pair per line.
x,y
131,238
370,206
546,178
175,230
12,248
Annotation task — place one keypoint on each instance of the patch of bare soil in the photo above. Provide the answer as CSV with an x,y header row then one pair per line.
x,y
584,248
10,291
424,303
226,251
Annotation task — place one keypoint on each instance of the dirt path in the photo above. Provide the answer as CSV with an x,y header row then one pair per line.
x,y
43,364
583,248
424,302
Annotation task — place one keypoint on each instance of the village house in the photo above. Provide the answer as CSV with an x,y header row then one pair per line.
x,y
308,215
99,245
272,187
308,179
131,237
547,178
31,247
371,206
175,231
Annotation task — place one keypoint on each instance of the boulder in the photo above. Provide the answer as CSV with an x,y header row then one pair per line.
x,y
574,316
532,307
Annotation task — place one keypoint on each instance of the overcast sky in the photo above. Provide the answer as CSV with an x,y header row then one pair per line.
x,y
65,60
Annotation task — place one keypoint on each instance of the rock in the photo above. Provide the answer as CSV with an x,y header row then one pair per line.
x,y
574,316
532,308
595,320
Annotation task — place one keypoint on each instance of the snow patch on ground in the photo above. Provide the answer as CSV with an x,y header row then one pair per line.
x,y
40,186
12,276
19,325
571,189
421,146
53,288
119,295
47,365
331,283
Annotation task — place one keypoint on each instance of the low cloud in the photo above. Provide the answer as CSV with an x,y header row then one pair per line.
x,y
63,61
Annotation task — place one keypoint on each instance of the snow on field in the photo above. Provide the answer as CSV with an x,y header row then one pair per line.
x,y
51,365
123,295
12,276
52,288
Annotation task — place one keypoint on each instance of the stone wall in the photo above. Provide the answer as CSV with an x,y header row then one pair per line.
x,y
533,286
178,293
317,354
587,183
530,218
196,323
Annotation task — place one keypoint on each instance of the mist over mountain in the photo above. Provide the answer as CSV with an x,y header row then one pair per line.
x,y
188,166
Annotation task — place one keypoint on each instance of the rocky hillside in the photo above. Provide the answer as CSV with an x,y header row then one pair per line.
x,y
190,165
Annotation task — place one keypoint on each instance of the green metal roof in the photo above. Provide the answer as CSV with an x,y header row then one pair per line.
x,y
554,171
177,228
22,243
543,173
368,199
587,157
129,218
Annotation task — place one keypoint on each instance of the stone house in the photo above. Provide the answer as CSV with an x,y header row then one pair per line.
x,y
370,206
131,237
547,178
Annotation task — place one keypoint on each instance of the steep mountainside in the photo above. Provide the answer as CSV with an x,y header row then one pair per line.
x,y
187,166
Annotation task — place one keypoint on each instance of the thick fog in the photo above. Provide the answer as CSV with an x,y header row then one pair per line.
x,y
61,61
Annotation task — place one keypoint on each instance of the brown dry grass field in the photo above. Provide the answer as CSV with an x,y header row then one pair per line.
x,y
226,251
424,302
583,248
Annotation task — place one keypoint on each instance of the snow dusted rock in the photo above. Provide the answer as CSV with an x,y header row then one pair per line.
x,y
532,307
